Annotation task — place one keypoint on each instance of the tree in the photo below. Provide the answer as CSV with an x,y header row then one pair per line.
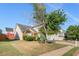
x,y
39,15
0,31
53,21
72,32
39,12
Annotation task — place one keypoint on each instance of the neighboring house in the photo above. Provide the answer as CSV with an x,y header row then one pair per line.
x,y
10,33
59,36
2,36
22,30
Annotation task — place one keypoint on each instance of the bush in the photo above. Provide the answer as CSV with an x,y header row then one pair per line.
x,y
42,38
38,38
28,38
34,38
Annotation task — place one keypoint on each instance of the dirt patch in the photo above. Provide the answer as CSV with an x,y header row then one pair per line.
x,y
34,48
26,47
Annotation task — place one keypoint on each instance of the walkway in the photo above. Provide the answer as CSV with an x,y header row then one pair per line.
x,y
58,52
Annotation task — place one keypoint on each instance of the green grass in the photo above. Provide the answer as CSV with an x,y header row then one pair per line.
x,y
71,52
6,49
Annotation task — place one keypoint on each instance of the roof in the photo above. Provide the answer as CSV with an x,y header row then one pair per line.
x,y
37,25
9,29
25,27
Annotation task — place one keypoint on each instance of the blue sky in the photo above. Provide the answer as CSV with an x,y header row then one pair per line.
x,y
10,14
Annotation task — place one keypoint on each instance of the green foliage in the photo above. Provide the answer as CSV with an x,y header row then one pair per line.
x,y
72,32
28,38
38,38
42,38
51,21
42,30
54,20
48,32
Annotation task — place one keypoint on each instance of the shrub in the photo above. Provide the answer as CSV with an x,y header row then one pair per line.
x,y
28,38
34,38
38,38
42,38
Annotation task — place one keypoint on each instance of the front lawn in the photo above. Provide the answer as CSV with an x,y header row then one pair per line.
x,y
20,48
71,52
6,49
34,48
45,48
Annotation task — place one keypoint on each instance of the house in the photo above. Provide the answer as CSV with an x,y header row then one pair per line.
x,y
22,30
36,27
10,33
58,36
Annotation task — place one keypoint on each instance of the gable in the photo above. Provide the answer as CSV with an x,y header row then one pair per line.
x,y
25,28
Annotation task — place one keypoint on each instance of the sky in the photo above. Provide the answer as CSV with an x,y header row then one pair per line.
x,y
22,13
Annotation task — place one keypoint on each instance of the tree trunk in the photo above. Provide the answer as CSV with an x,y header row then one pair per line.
x,y
45,29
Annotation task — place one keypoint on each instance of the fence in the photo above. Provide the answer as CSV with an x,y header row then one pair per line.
x,y
2,36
